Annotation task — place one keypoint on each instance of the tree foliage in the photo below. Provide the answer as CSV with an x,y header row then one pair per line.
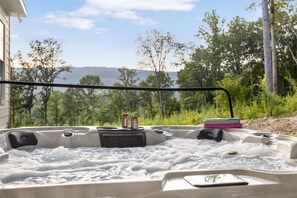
x,y
158,50
43,65
128,78
229,54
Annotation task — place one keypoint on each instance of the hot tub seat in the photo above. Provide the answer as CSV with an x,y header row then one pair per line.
x,y
22,138
211,134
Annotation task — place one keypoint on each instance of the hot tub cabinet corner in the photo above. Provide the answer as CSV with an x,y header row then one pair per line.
x,y
287,145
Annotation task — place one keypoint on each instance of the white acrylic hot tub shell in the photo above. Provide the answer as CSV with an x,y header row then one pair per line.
x,y
261,184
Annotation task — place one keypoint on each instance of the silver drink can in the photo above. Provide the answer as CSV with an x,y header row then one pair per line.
x,y
134,122
125,120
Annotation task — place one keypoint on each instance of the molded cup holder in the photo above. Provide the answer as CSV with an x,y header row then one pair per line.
x,y
68,133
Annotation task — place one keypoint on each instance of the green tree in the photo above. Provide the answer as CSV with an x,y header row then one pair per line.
x,y
212,36
16,108
90,98
276,7
206,66
286,43
28,73
158,51
241,45
149,99
271,11
146,101
128,78
112,106
44,66
72,107
55,109
267,47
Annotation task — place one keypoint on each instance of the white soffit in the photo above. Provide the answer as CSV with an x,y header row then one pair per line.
x,y
14,7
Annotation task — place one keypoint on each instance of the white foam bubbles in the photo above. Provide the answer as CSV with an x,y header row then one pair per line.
x,y
70,165
21,175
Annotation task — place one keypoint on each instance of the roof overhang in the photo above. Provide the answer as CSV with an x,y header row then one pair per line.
x,y
14,7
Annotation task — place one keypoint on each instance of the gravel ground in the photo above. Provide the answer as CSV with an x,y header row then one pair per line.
x,y
280,125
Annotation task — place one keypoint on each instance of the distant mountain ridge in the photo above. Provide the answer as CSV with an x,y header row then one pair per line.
x,y
107,75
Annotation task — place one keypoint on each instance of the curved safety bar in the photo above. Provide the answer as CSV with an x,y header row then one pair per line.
x,y
123,88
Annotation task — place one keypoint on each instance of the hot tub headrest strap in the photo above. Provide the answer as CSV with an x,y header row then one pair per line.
x,y
22,138
210,134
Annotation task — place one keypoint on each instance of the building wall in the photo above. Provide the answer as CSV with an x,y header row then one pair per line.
x,y
4,104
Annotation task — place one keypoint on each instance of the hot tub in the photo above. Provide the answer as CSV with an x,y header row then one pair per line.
x,y
22,142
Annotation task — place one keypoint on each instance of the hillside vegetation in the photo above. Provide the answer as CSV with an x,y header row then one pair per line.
x,y
230,56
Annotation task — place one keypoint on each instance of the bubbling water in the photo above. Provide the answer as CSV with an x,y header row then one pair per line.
x,y
79,165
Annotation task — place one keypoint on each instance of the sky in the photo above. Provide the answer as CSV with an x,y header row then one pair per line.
x,y
104,32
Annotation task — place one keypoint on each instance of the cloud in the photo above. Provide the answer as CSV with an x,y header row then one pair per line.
x,y
14,36
155,5
100,30
129,15
46,34
43,33
85,17
67,20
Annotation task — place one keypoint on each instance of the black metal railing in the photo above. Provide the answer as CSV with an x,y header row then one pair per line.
x,y
123,88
